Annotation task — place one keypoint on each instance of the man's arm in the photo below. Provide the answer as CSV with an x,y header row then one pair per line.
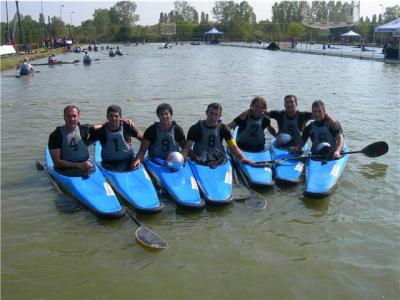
x,y
339,145
60,163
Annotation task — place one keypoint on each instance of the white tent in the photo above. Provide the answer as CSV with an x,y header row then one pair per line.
x,y
393,26
351,33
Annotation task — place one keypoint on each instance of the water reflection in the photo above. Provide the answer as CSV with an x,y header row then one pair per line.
x,y
373,170
67,205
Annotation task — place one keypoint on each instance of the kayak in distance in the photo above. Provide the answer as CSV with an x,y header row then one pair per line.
x,y
323,175
290,170
134,186
180,185
215,182
92,190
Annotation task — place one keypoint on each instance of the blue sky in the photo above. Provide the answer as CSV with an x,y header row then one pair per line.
x,y
149,10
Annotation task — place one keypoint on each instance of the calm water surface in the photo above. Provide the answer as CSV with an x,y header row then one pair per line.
x,y
345,246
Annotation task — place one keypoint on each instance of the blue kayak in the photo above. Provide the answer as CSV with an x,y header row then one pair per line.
x,y
260,176
133,186
215,183
93,191
290,170
322,176
180,185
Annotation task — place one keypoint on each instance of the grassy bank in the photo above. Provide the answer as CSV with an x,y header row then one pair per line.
x,y
9,62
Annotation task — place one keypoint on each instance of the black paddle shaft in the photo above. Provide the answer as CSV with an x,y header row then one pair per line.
x,y
133,218
372,150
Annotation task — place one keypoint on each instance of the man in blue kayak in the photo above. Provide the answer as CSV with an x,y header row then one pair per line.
x,y
326,140
250,136
68,144
115,138
161,138
206,137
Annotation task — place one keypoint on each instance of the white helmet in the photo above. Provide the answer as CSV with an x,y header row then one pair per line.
x,y
324,148
283,139
175,161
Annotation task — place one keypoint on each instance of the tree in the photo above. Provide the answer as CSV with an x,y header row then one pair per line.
x,y
122,14
296,29
102,22
392,13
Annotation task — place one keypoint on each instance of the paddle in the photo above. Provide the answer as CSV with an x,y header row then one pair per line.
x,y
147,237
256,200
41,166
143,234
372,150
239,192
18,76
57,63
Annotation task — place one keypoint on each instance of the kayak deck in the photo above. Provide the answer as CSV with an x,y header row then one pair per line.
x,y
322,176
256,175
288,171
93,191
215,183
180,185
134,186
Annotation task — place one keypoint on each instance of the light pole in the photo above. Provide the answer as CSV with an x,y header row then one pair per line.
x,y
70,22
61,6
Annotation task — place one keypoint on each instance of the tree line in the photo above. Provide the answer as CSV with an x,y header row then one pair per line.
x,y
238,21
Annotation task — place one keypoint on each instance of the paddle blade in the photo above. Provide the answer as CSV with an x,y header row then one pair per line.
x,y
40,166
256,201
149,238
376,149
239,192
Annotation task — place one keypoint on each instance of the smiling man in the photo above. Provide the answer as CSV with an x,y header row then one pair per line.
x,y
115,138
68,143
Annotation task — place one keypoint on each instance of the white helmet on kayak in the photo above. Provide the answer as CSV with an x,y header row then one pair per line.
x,y
283,139
175,161
324,148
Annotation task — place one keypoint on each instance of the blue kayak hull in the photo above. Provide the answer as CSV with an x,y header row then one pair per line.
x,y
287,171
260,176
322,176
256,175
134,186
94,191
215,184
180,185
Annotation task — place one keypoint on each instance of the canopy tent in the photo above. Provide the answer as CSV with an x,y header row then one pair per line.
x,y
213,35
351,33
393,26
213,31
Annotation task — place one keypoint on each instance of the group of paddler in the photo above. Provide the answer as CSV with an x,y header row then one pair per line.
x,y
204,143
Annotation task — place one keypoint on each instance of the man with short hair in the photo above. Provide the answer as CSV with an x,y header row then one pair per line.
x,y
325,139
207,135
115,138
68,143
161,138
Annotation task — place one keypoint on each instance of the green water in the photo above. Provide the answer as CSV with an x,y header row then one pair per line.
x,y
345,246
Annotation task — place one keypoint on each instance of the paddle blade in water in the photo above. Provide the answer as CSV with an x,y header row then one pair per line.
x,y
149,238
239,192
256,201
376,149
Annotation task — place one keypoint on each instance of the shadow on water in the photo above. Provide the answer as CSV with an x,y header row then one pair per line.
x,y
67,204
317,204
374,170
